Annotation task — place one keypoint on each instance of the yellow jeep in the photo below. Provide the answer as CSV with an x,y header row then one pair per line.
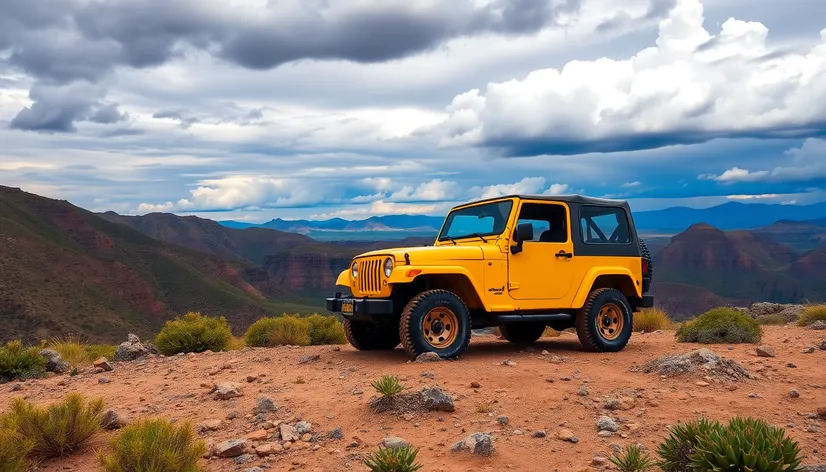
x,y
519,262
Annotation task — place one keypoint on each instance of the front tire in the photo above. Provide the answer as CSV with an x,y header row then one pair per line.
x,y
435,321
604,324
367,336
522,333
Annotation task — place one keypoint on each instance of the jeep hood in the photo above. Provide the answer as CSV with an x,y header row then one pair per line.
x,y
427,254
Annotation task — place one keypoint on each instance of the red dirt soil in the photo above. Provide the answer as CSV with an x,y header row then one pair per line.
x,y
171,388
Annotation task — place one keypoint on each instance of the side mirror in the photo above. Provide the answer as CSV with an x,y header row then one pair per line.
x,y
524,232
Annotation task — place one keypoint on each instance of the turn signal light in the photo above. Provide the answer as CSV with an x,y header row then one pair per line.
x,y
413,272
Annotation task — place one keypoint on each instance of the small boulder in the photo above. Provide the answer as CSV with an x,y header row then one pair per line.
x,y
55,363
437,400
303,427
110,420
336,433
765,351
794,393
605,423
393,442
258,435
230,448
265,405
210,425
308,358
502,420
823,345
818,325
268,449
809,350
477,443
131,349
103,363
428,357
566,435
288,433
539,434
509,362
227,390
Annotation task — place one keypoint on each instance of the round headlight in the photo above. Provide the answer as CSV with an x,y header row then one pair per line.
x,y
355,269
388,267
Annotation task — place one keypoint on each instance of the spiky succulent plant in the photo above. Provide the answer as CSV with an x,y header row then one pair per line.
x,y
676,450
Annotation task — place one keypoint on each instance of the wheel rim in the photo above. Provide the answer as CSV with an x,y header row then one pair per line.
x,y
440,327
610,321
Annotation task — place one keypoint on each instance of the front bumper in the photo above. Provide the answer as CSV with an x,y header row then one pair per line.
x,y
360,308
647,301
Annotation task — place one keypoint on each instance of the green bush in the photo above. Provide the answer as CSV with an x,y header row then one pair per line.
x,y
58,430
633,459
651,319
325,330
279,331
676,450
194,333
747,444
721,326
17,363
811,314
154,445
77,352
402,459
14,447
387,386
772,320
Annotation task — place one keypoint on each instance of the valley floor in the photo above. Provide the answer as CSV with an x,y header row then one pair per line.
x,y
336,389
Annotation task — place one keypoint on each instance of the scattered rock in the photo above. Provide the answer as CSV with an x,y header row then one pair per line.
x,y
54,363
794,393
428,374
823,346
702,361
336,433
598,461
103,363
230,448
258,435
437,400
809,350
605,423
265,405
104,380
130,350
502,420
791,365
818,325
268,449
583,391
821,412
611,403
244,458
393,442
210,425
476,384
539,434
566,435
428,357
477,443
111,420
308,358
509,362
701,383
765,351
17,387
288,433
303,427
227,390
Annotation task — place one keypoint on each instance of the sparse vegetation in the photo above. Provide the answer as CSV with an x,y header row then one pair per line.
x,y
485,407
194,332
769,320
14,447
676,450
77,352
632,459
155,445
388,386
279,331
401,459
721,325
299,380
651,319
811,314
747,444
60,429
325,330
236,343
19,363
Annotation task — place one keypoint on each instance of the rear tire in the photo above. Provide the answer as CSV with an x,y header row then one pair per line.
x,y
522,333
367,336
604,324
435,321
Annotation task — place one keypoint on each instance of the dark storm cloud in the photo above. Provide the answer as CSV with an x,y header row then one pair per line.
x,y
58,108
73,39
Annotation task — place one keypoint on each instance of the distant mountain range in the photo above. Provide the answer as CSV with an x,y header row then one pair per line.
x,y
728,216
66,270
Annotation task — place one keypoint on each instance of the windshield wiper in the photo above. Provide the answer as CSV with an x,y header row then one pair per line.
x,y
479,236
443,238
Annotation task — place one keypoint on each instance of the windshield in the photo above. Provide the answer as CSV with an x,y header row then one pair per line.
x,y
480,220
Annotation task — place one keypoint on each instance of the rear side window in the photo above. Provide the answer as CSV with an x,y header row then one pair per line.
x,y
603,225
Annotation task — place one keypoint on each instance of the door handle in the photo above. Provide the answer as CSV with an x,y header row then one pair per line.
x,y
562,253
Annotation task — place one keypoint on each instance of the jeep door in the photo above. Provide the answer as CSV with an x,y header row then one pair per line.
x,y
544,268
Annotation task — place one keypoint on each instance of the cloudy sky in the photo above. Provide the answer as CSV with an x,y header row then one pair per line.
x,y
254,109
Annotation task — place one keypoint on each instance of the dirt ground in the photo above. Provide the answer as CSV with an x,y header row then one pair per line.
x,y
542,391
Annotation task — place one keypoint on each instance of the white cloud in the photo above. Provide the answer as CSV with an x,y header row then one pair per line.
x,y
806,163
754,197
735,174
636,183
382,207
557,189
691,86
435,190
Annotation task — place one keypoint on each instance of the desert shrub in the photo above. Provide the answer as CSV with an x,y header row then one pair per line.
x,y
551,333
401,459
776,320
325,330
279,331
811,314
236,343
387,386
19,363
77,352
60,429
747,444
14,447
194,332
720,326
651,320
676,450
632,459
154,445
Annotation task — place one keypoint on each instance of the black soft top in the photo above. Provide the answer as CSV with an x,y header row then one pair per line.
x,y
578,199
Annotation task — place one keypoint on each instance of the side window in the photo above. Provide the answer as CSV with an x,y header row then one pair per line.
x,y
549,221
601,225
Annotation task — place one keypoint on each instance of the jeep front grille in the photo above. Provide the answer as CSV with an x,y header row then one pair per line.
x,y
370,274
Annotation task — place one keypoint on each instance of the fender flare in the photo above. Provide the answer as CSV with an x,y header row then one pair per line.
x,y
591,277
